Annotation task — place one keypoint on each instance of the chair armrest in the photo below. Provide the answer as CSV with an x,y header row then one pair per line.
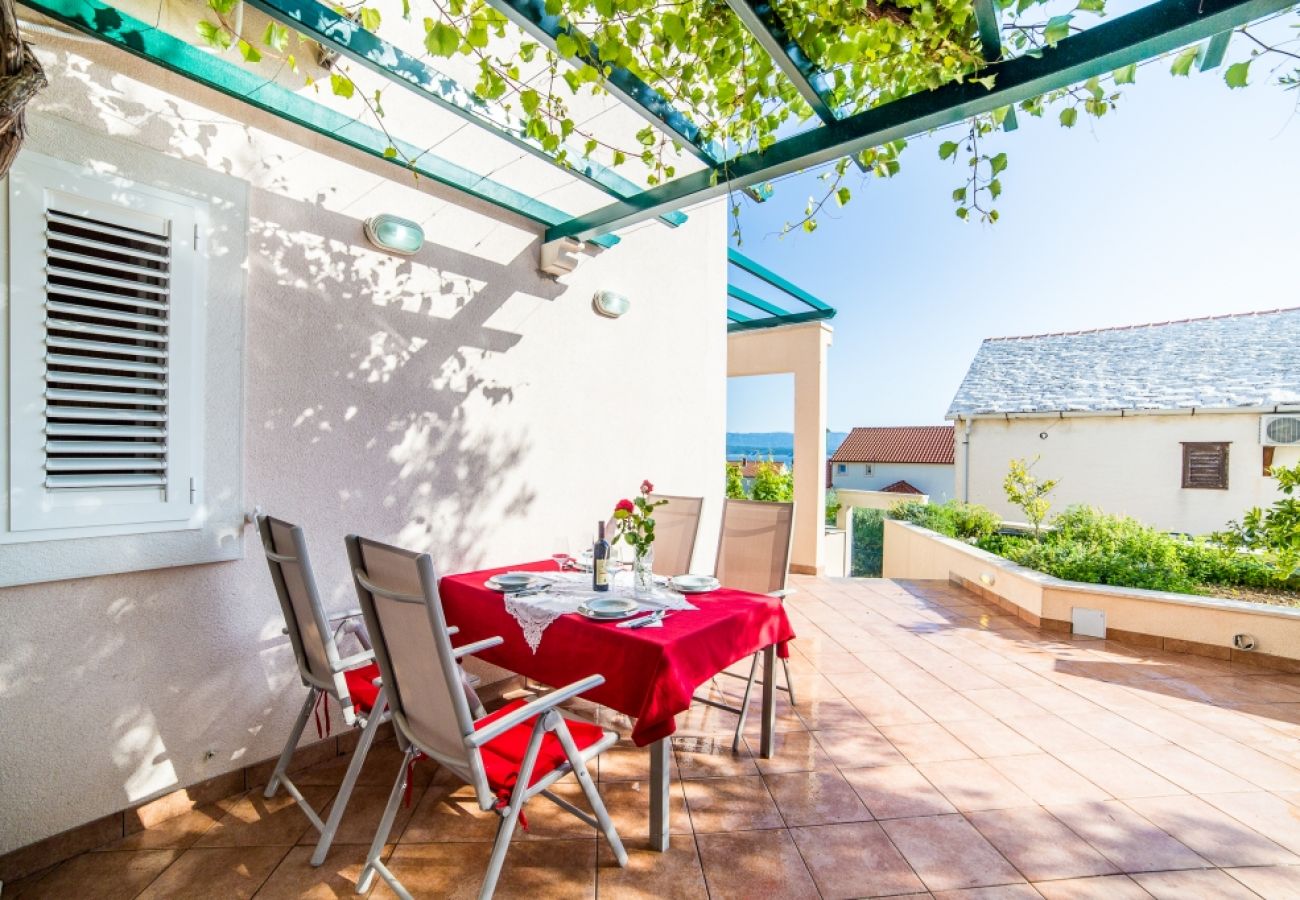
x,y
339,617
529,710
485,644
356,659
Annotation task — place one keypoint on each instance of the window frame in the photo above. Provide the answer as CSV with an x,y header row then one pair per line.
x,y
1189,448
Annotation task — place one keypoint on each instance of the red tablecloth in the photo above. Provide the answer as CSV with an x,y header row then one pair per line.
x,y
650,673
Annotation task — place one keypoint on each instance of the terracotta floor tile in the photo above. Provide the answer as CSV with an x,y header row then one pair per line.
x,y
1271,816
1060,701
990,737
449,812
1046,779
1004,703
948,853
115,875
628,803
1001,892
1053,733
1212,833
820,715
361,818
859,747
927,742
297,878
973,784
1118,775
855,860
651,875
704,757
897,792
625,761
947,706
1209,884
216,873
815,798
730,804
1106,887
1273,882
751,864
549,869
257,820
1114,730
796,751
1038,845
1125,838
1189,771
887,706
1173,727
177,833
380,768
1258,768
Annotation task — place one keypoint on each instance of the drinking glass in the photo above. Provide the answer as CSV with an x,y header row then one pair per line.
x,y
614,563
561,552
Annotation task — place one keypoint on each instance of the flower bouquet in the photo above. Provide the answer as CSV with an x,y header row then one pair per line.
x,y
635,524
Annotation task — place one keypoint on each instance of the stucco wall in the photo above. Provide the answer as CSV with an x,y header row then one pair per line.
x,y
1130,465
457,402
933,480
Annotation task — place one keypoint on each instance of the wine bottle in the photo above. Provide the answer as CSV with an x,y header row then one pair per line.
x,y
599,558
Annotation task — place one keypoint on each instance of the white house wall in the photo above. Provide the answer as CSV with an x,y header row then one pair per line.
x,y
1130,465
928,478
457,402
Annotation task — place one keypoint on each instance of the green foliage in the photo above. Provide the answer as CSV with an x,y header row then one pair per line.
x,y
964,521
773,483
735,483
832,506
1024,490
1274,531
868,535
635,522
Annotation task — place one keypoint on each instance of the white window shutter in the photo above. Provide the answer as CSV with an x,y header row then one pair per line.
x,y
105,361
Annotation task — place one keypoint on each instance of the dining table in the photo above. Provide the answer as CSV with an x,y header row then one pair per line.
x,y
651,674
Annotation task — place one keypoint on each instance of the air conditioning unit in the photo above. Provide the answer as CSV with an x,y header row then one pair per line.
x,y
1280,431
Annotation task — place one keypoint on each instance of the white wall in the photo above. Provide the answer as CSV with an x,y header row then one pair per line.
x,y
1130,465
444,403
931,479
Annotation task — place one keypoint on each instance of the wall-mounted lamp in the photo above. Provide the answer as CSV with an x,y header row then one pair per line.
x,y
394,234
609,304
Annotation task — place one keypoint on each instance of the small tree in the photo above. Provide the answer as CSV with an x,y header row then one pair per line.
x,y
1028,493
1276,530
832,507
735,482
773,483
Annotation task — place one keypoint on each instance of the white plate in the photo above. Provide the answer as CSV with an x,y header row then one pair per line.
x,y
617,617
695,584
511,581
611,606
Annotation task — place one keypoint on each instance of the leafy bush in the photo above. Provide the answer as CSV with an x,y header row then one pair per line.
x,y
735,482
1276,530
832,506
868,530
965,521
773,483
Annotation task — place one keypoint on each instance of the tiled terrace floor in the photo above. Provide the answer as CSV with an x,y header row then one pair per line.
x,y
937,748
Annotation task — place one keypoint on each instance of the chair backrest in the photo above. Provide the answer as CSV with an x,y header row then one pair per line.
x,y
398,591
676,525
295,585
754,548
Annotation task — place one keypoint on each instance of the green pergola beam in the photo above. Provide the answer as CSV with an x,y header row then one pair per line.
x,y
649,103
329,28
751,299
761,19
1216,50
158,47
737,317
988,21
814,315
1155,29
758,270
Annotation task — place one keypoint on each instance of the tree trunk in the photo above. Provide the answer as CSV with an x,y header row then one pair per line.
x,y
21,77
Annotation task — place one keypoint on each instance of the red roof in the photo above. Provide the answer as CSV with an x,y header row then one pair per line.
x,y
749,468
903,444
900,487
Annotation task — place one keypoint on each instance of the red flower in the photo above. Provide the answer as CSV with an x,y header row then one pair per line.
x,y
647,487
623,509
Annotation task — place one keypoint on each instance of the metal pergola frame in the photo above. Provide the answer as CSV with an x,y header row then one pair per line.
x,y
1158,28
806,307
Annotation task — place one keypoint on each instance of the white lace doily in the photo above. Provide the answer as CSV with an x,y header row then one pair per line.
x,y
569,590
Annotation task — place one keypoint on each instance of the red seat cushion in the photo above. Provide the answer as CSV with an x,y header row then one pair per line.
x,y
361,686
503,756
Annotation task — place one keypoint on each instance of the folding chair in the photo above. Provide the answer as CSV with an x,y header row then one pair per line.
x,y
350,680
508,757
754,555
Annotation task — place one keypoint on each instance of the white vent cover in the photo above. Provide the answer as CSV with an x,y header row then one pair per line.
x,y
108,298
1279,431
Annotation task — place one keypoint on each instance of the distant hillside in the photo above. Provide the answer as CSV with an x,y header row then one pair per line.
x,y
777,444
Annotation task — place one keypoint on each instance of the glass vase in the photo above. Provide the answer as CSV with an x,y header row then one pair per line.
x,y
643,582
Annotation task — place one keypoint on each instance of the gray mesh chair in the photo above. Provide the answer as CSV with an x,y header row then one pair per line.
x,y
754,555
677,523
349,680
509,756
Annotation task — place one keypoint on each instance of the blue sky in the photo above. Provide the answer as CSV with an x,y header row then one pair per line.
x,y
1183,202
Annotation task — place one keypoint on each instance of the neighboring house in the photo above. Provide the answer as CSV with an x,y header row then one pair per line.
x,y
1175,423
913,459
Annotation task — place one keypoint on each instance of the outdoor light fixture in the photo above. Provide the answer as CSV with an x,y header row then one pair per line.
x,y
609,304
394,234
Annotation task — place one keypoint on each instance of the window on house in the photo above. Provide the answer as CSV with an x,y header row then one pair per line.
x,y
843,468
105,354
868,469
1205,465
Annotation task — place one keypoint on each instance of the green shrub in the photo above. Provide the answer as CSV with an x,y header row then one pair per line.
x,y
868,530
772,483
735,482
832,506
965,521
1276,530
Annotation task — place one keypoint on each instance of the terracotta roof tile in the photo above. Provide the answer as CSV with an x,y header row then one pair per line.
x,y
900,487
903,444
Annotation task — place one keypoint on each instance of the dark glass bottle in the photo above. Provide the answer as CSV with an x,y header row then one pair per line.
x,y
599,560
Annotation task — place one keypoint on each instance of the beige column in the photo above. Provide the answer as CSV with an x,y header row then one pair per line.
x,y
800,350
